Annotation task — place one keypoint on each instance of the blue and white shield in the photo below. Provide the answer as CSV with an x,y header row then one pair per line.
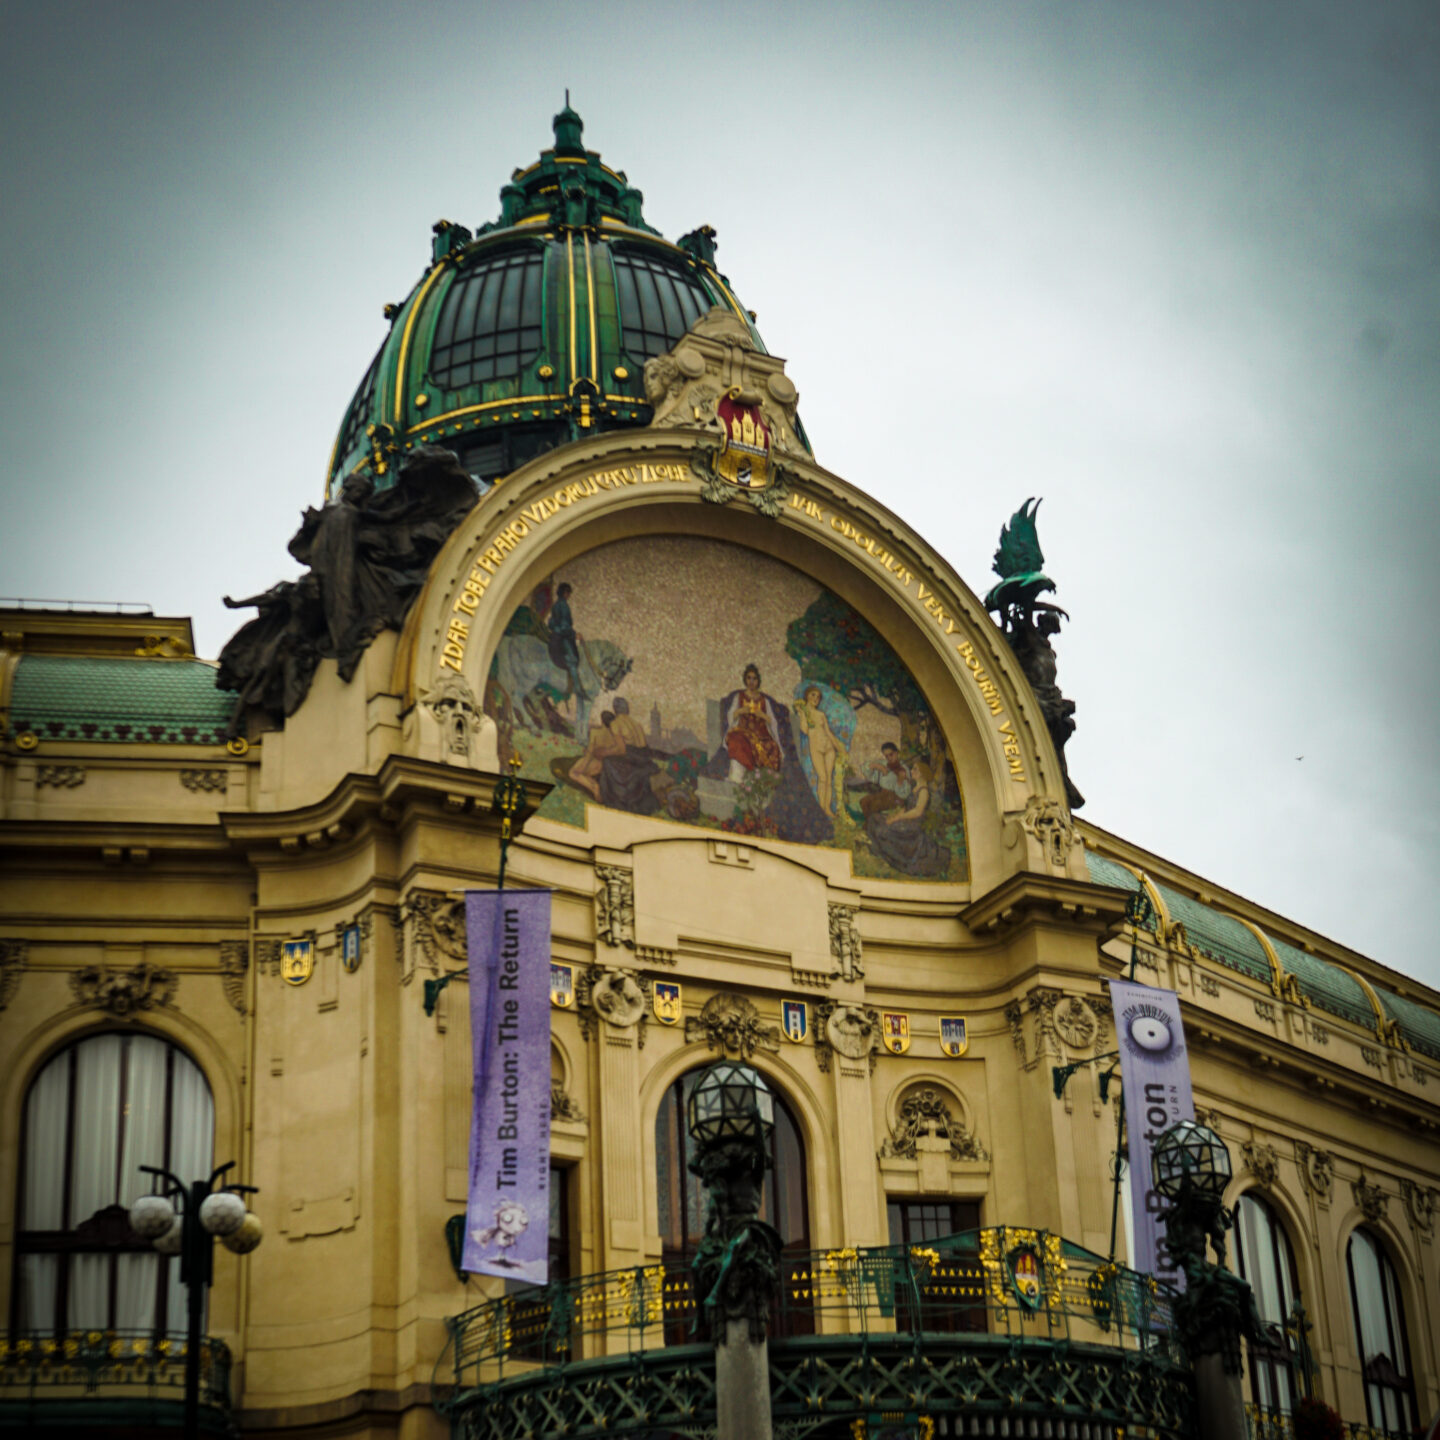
x,y
796,1017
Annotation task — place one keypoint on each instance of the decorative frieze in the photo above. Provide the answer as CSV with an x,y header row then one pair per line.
x,y
850,1031
267,957
123,992
845,945
1265,1010
62,777
1371,1056
1371,1199
1207,984
202,780
13,954
732,1025
1317,1170
926,1117
234,963
615,906
1261,1161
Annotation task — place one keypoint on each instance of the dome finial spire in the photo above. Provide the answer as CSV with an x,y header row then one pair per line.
x,y
568,129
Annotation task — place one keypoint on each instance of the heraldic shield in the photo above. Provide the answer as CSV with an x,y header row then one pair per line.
x,y
796,1015
1025,1274
297,961
954,1037
895,1031
744,460
666,1002
562,985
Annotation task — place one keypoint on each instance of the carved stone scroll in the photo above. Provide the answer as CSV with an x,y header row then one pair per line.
x,y
234,963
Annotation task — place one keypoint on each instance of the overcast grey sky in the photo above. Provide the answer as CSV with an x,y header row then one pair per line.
x,y
1176,268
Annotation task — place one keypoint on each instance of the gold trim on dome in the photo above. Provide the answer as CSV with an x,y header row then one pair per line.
x,y
434,421
406,336
590,298
570,277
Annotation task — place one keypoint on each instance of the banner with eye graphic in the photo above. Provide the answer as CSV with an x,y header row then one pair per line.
x,y
1155,1074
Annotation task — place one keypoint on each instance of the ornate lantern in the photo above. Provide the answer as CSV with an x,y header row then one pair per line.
x,y
730,1102
1193,1156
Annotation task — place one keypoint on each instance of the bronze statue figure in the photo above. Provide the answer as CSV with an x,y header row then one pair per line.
x,y
1028,623
369,553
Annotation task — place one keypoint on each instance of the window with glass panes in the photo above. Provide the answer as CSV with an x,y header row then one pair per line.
x,y
489,323
1265,1259
1380,1334
947,1289
93,1116
357,417
659,301
533,1336
681,1196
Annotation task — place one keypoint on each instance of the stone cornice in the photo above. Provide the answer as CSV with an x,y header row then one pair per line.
x,y
1027,899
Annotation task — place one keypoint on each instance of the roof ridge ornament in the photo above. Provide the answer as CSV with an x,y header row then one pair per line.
x,y
1028,623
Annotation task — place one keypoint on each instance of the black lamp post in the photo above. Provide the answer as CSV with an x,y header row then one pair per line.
x,y
1190,1168
730,1116
205,1213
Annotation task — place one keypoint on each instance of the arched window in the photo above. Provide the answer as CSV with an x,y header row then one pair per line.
x,y
94,1114
1380,1334
1267,1262
682,1198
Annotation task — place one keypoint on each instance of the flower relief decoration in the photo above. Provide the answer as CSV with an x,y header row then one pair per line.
x,y
794,720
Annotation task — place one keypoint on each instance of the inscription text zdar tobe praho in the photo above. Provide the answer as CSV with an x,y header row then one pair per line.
x,y
513,535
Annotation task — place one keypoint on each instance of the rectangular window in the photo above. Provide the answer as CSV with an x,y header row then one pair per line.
x,y
952,1288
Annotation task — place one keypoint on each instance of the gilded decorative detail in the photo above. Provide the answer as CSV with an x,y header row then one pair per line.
x,y
217,780
163,647
925,1115
1261,1161
1419,1205
123,992
845,944
615,906
563,1106
62,777
1371,1199
852,1031
618,996
1317,1170
13,954
732,1025
234,963
1048,821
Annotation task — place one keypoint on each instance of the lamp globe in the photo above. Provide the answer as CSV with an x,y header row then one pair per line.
x,y
222,1213
151,1216
247,1237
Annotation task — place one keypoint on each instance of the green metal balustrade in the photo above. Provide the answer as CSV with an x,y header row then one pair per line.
x,y
990,1328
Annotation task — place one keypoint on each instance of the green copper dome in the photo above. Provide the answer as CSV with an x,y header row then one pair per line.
x,y
534,330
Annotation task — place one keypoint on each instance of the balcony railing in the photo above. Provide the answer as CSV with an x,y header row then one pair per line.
x,y
1000,1323
1271,1425
138,1371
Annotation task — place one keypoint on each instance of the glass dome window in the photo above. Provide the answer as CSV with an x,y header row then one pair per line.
x,y
489,324
359,413
659,301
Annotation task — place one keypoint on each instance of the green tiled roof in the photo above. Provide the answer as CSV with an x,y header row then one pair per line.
x,y
64,697
1421,1027
1327,987
1222,937
1104,871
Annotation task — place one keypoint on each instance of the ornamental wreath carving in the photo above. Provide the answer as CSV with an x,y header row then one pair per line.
x,y
1261,1161
1419,1205
123,992
852,1031
62,777
732,1024
845,944
617,996
1371,1199
234,962
615,906
1317,1170
924,1114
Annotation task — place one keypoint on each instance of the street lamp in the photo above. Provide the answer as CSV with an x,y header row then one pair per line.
x,y
204,1214
731,1116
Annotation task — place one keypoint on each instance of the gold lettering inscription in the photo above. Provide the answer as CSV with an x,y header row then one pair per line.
x,y
509,539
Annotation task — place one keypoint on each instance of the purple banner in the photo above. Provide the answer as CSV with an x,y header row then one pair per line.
x,y
507,1222
1155,1073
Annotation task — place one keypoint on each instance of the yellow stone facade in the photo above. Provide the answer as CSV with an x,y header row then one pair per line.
x,y
349,1107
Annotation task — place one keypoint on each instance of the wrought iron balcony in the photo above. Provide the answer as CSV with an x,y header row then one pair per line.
x,y
1273,1425
977,1333
86,1380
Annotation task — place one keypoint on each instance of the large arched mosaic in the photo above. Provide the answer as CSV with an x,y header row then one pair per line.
x,y
700,682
